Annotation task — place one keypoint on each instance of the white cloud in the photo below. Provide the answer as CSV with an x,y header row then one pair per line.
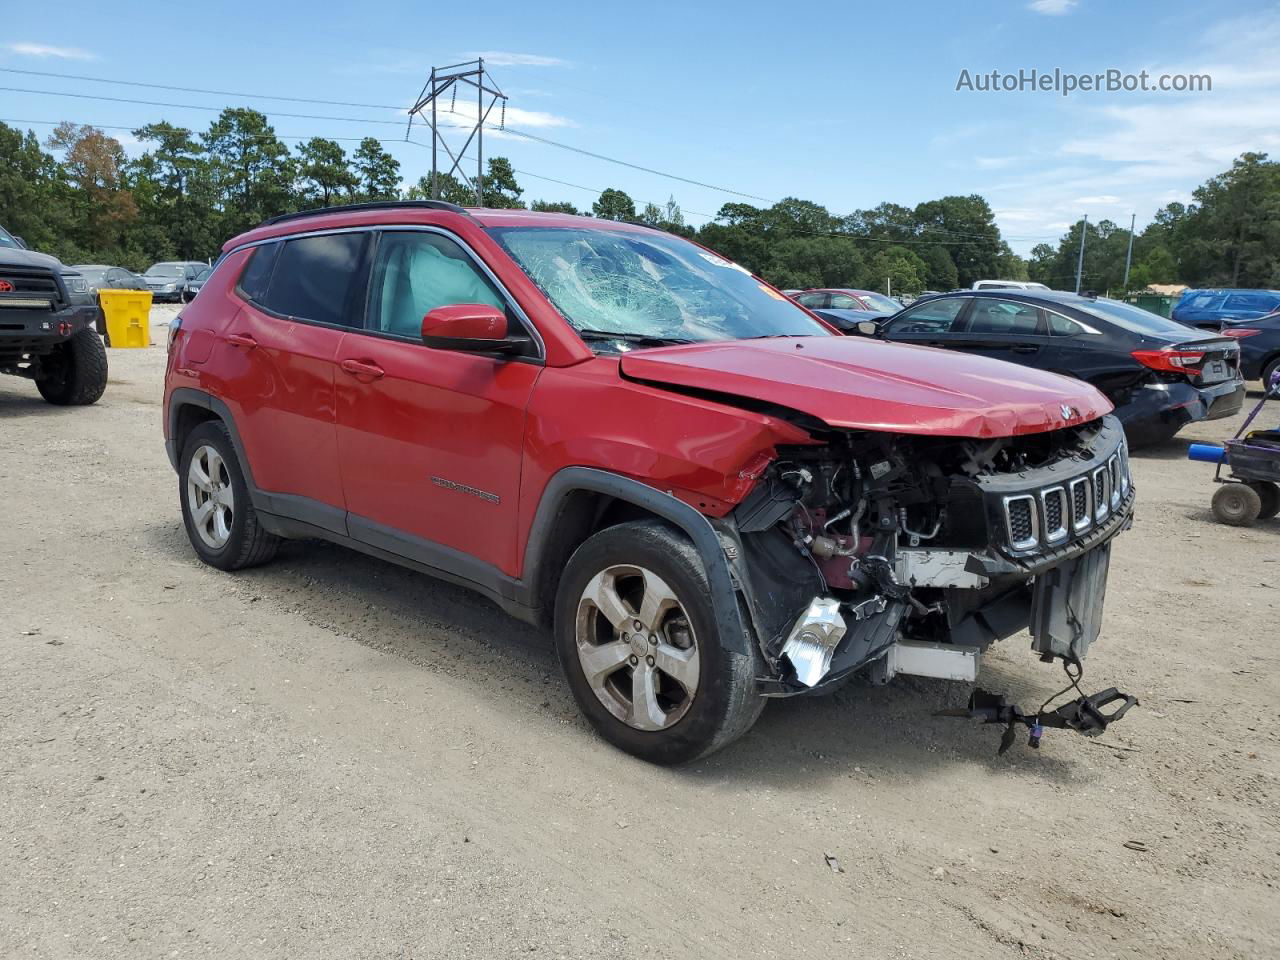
x,y
463,114
44,50
1104,199
1052,8
501,58
994,163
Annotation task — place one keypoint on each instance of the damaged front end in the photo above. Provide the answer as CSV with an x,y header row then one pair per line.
x,y
893,553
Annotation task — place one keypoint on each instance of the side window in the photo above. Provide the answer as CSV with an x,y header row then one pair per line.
x,y
313,279
257,274
842,301
933,316
415,272
1004,317
1060,326
812,300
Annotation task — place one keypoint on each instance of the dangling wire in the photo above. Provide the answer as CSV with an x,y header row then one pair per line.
x,y
453,101
1073,677
502,120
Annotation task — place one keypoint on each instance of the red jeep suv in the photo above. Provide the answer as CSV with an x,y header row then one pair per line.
x,y
708,495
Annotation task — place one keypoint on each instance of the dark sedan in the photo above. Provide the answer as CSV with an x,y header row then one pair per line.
x,y
1259,346
100,276
1159,374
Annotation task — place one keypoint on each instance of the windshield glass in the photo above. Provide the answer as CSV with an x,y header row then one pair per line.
x,y
880,303
204,274
165,270
1134,319
6,239
92,274
650,284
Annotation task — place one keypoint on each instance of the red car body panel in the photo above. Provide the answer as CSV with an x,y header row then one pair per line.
x,y
870,385
457,448
439,429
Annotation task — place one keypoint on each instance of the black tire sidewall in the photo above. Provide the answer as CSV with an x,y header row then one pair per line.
x,y
672,557
213,433
1232,517
1269,493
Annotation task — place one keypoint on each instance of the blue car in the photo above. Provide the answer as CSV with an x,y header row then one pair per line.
x,y
1259,341
1210,309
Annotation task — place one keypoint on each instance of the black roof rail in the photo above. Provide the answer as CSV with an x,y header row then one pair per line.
x,y
371,205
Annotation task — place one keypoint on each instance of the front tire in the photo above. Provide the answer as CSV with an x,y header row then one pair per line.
x,y
1237,504
75,373
643,651
221,522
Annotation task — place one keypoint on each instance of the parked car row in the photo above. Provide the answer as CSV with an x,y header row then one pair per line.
x,y
1210,309
1159,374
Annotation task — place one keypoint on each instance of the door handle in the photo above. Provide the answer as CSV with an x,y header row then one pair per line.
x,y
241,340
1024,348
363,368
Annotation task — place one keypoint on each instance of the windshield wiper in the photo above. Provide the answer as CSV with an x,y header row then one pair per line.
x,y
636,338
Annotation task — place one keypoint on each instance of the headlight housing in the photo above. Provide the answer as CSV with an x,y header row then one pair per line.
x,y
75,283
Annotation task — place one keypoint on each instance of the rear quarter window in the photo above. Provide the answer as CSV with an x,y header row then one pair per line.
x,y
313,279
257,274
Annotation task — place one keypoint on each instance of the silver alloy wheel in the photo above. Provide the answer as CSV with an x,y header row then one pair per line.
x,y
637,647
210,498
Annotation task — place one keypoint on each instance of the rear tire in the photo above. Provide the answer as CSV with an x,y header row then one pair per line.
x,y
1269,371
1236,504
75,373
1269,494
673,690
221,522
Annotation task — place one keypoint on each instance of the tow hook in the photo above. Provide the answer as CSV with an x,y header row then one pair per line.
x,y
1084,715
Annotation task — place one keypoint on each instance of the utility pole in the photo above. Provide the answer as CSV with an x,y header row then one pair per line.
x,y
1084,228
444,80
1128,257
888,285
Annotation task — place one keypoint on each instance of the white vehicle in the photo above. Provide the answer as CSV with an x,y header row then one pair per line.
x,y
1007,285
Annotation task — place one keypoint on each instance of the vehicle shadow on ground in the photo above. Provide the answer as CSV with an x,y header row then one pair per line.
x,y
16,404
798,742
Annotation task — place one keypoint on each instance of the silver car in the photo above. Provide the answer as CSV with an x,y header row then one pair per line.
x,y
168,280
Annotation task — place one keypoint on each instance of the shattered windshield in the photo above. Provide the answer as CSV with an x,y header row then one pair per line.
x,y
649,287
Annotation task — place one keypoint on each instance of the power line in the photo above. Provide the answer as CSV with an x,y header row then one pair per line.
x,y
214,93
514,131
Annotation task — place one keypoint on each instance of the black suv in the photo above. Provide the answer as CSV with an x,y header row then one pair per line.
x,y
48,326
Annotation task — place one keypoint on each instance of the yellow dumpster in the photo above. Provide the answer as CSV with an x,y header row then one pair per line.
x,y
128,316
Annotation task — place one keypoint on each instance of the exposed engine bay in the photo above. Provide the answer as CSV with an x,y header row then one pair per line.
x,y
896,553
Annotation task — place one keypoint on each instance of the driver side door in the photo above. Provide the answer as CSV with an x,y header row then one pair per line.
x,y
929,324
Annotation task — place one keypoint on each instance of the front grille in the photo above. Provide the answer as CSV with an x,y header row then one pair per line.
x,y
28,284
1049,517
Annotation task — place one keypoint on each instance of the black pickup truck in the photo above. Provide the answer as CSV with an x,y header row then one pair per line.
x,y
48,326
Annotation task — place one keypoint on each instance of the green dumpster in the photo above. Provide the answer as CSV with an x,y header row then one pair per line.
x,y
1155,302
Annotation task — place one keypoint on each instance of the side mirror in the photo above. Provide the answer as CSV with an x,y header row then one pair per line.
x,y
22,243
868,328
470,327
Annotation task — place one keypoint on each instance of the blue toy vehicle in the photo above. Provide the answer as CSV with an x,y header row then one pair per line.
x,y
1252,491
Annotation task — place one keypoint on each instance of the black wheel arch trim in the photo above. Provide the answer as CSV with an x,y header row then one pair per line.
x,y
724,594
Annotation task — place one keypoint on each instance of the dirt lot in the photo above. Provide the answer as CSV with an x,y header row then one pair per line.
x,y
332,757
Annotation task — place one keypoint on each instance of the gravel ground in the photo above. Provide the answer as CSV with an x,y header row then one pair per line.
x,y
333,757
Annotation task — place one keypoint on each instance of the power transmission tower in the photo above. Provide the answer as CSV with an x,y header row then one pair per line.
x,y
446,80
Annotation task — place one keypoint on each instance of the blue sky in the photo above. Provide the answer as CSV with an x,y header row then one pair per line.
x,y
845,104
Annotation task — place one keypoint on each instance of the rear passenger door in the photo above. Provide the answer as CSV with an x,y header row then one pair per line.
x,y
278,353
431,440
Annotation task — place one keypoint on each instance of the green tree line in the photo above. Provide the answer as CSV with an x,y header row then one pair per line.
x,y
1228,236
79,196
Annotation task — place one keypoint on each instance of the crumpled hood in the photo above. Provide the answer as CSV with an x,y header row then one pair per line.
x,y
863,384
